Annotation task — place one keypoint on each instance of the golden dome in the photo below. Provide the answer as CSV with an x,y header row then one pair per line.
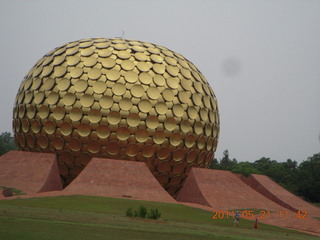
x,y
118,99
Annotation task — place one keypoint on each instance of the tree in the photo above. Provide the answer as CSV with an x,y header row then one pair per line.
x,y
309,178
226,163
245,168
6,143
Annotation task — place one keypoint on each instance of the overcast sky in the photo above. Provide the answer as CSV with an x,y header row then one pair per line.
x,y
261,58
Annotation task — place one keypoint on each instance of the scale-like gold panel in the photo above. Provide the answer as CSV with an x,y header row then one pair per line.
x,y
119,99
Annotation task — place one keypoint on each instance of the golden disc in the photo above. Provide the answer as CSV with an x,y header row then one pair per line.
x,y
190,140
108,63
145,106
103,131
42,141
84,129
178,154
113,117
58,113
178,110
145,78
75,144
127,65
89,61
168,95
161,108
124,54
156,58
175,139
94,116
31,111
81,85
93,146
66,128
36,83
69,99
86,100
141,135
159,68
48,84
112,147
49,127
173,71
75,72
192,112
131,77
44,112
170,124
75,114
73,60
173,82
159,137
94,73
123,133
198,128
35,125
57,143
125,104
137,91
59,71
159,80
64,84
143,66
106,102
148,151
141,56
133,119
153,93
132,149
99,87
118,89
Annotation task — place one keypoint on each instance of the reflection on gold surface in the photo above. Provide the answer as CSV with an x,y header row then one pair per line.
x,y
120,99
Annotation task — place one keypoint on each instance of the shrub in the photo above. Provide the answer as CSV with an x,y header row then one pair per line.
x,y
142,211
154,214
129,212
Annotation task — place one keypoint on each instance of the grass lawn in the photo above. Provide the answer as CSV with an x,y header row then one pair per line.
x,y
89,217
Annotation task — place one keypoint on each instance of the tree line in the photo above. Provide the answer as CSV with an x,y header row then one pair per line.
x,y
301,179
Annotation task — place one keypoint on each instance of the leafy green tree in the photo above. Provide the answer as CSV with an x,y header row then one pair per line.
x,y
245,168
214,164
226,163
309,178
6,143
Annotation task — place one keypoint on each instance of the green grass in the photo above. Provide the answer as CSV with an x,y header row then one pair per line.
x,y
88,217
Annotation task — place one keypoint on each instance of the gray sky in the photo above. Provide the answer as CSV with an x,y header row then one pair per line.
x,y
262,59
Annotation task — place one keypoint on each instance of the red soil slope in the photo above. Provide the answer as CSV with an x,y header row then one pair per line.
x,y
30,172
222,190
278,194
118,178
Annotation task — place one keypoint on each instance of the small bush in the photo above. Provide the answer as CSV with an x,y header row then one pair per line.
x,y
143,211
129,212
154,214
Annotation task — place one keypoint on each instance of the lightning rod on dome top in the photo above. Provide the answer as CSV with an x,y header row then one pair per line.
x,y
122,36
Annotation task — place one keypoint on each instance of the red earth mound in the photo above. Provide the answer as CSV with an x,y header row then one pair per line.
x,y
118,178
30,172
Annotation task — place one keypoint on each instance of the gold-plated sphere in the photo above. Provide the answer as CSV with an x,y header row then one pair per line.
x,y
119,99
